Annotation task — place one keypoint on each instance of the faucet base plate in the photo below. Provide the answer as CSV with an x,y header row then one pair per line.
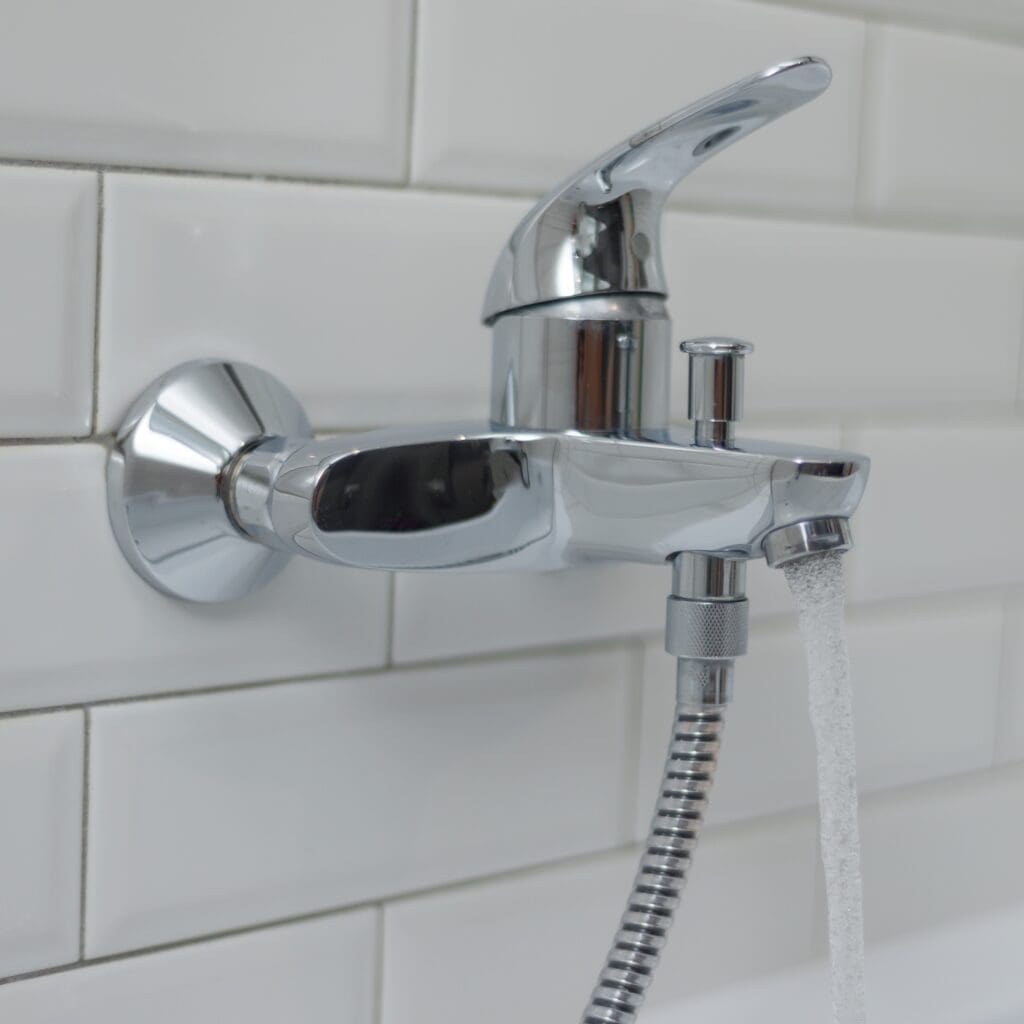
x,y
169,469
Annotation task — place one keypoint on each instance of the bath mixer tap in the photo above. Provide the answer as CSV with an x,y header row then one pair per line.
x,y
215,479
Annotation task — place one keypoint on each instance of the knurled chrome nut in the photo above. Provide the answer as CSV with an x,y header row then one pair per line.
x,y
709,630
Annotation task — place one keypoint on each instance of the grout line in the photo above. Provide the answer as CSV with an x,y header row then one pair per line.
x,y
634,739
579,647
976,31
101,180
1019,403
84,855
1003,684
966,224
566,650
389,625
411,89
459,885
378,977
869,109
23,442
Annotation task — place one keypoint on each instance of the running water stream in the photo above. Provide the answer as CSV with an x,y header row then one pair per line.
x,y
817,586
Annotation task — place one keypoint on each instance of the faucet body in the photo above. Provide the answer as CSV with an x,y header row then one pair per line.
x,y
215,479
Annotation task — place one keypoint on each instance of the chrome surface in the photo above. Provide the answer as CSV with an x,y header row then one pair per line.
x,y
207,498
464,496
581,338
811,537
706,630
565,369
715,399
167,473
705,577
599,231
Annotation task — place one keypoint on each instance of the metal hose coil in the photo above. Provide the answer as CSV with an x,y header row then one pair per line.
x,y
678,817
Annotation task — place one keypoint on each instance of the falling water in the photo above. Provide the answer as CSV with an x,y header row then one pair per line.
x,y
817,585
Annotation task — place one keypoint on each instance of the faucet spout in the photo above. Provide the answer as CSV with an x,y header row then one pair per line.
x,y
466,496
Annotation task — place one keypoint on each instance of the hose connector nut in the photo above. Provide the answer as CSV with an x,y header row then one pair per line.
x,y
706,630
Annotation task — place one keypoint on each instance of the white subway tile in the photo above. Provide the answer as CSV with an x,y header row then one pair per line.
x,y
365,302
938,139
959,974
927,483
937,852
216,811
925,678
446,615
316,972
552,928
79,625
510,116
747,910
1010,714
313,88
1001,18
847,318
48,269
40,854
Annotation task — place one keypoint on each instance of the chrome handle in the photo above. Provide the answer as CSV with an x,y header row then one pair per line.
x,y
599,231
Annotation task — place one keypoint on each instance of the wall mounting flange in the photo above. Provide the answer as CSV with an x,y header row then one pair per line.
x,y
168,469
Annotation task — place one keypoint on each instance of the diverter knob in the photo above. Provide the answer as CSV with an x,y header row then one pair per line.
x,y
716,388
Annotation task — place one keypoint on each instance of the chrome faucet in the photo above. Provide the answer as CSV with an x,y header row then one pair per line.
x,y
215,479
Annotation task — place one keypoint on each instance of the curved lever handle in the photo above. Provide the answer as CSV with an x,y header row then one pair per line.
x,y
599,231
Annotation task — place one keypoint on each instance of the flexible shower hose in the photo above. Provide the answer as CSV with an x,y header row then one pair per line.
x,y
664,865
706,629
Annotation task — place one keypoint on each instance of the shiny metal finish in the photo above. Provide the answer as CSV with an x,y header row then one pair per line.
x,y
581,336
168,469
206,504
705,577
474,496
599,231
801,539
715,401
571,368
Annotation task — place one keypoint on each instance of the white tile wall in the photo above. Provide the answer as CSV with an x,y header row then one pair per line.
x,y
531,947
872,246
958,974
941,851
450,615
47,291
927,481
373,786
41,766
943,146
317,972
79,625
1000,19
898,339
314,89
346,294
